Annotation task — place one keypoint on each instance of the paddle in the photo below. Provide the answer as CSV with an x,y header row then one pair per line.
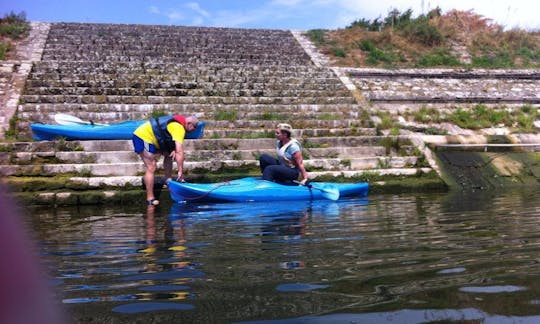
x,y
69,120
328,191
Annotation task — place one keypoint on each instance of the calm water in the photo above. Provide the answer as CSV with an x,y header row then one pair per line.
x,y
385,259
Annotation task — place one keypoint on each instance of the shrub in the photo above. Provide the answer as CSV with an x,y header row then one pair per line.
x,y
421,31
438,57
4,48
14,26
229,115
498,59
317,36
367,45
362,23
339,52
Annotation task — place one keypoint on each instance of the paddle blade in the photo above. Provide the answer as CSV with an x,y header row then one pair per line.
x,y
69,120
328,191
65,119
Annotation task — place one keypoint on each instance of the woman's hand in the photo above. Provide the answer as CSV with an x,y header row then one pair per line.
x,y
180,177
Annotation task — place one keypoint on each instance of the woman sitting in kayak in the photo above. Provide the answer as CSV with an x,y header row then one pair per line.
x,y
162,135
289,163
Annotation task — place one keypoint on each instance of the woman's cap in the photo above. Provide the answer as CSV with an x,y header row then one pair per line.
x,y
285,127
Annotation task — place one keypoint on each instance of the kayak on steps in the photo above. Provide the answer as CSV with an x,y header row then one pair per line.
x,y
92,131
256,189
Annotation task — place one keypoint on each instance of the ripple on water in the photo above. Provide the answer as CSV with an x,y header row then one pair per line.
x,y
299,287
491,289
150,306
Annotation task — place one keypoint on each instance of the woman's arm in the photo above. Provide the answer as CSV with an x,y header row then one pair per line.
x,y
299,161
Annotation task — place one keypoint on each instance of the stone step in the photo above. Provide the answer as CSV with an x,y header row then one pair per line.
x,y
309,97
206,144
208,111
137,168
112,157
168,88
300,133
133,95
185,81
136,181
195,89
256,118
72,69
176,57
237,59
382,172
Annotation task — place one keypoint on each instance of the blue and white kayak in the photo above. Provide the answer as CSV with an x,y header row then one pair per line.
x,y
118,131
256,189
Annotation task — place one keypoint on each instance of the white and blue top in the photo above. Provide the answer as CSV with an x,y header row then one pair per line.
x,y
285,152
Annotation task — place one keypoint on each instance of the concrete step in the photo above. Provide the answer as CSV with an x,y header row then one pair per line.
x,y
214,165
208,89
183,96
210,111
76,68
146,84
257,117
207,144
299,133
136,181
191,155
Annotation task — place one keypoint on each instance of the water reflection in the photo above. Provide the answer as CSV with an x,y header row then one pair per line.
x,y
125,258
168,272
450,257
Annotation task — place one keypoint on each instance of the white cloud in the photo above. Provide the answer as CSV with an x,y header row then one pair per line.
x,y
154,10
174,16
197,8
287,3
197,21
234,18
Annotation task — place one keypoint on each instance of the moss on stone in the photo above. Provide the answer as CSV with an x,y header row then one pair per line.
x,y
33,184
409,185
91,197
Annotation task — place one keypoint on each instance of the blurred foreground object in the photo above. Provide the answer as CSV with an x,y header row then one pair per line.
x,y
25,295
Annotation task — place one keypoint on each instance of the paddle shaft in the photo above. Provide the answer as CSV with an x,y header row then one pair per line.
x,y
330,194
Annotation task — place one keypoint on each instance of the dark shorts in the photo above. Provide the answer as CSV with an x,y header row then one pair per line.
x,y
139,145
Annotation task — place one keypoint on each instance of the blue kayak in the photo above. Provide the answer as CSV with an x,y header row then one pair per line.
x,y
118,131
256,189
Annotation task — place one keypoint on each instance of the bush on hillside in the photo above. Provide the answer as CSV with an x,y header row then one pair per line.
x,y
14,26
401,40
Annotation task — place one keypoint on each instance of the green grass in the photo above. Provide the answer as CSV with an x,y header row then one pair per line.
x,y
4,49
14,26
401,40
229,115
317,36
270,116
481,116
438,57
377,55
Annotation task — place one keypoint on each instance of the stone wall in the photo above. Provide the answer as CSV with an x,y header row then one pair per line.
x,y
13,72
386,88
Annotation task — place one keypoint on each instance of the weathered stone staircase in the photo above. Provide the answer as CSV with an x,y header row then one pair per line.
x,y
242,81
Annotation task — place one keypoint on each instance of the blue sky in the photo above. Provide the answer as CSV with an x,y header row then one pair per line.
x,y
278,14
